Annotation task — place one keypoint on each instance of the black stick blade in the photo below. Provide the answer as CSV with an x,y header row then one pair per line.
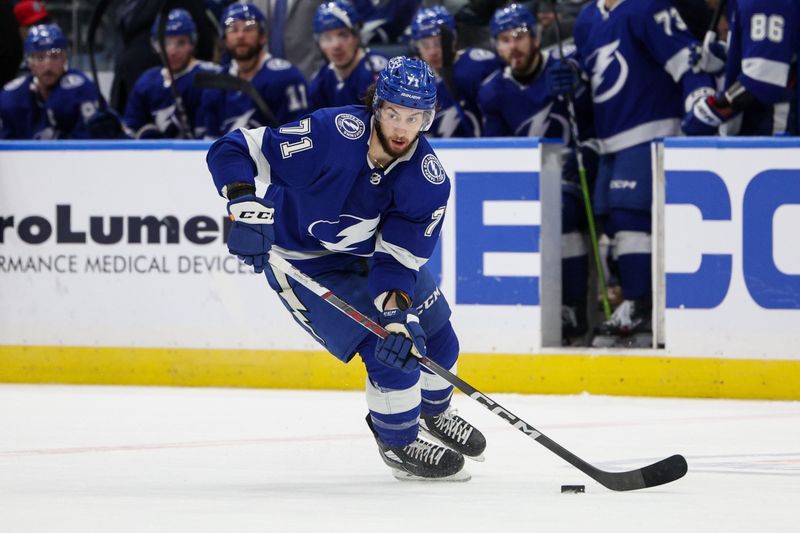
x,y
659,473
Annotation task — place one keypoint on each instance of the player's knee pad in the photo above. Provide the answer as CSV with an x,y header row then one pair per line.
x,y
436,391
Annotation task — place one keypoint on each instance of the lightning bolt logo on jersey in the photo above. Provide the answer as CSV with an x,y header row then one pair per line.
x,y
349,234
636,58
609,72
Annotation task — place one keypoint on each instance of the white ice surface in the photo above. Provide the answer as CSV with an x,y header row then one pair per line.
x,y
118,459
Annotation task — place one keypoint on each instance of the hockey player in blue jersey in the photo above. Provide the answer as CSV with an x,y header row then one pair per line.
x,y
636,57
53,101
760,68
458,115
281,84
515,102
151,110
355,198
351,68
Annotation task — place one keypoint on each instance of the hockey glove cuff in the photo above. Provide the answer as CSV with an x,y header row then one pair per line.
x,y
252,233
705,118
406,340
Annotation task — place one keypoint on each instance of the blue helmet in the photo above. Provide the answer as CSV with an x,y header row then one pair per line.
x,y
510,18
243,11
427,20
407,82
179,22
45,37
334,15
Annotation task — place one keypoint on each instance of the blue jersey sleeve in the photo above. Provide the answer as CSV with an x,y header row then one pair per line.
x,y
291,155
667,38
410,228
768,45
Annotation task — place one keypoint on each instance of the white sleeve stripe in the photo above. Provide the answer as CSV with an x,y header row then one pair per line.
x,y
253,137
403,256
678,64
766,71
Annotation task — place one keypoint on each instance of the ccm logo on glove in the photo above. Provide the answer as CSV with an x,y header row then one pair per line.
x,y
252,213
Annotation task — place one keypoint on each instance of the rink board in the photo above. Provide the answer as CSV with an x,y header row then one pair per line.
x,y
93,291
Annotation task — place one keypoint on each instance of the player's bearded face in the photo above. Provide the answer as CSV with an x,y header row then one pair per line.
x,y
397,128
244,39
48,67
518,49
340,47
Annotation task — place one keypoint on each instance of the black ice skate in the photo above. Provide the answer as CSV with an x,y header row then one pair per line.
x,y
454,432
629,327
422,460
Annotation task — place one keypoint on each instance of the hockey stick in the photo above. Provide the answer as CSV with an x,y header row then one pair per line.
x,y
587,201
658,473
180,109
226,82
97,16
448,58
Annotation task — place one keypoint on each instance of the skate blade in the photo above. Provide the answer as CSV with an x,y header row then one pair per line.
x,y
458,477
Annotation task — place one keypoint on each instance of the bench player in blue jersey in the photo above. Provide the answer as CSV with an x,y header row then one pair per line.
x,y
351,68
760,68
635,54
281,84
458,115
151,109
516,102
355,198
53,101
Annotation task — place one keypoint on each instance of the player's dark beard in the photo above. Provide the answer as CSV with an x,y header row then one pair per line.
x,y
530,69
247,55
387,146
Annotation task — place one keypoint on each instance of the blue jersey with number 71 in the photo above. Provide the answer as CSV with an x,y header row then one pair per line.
x,y
332,206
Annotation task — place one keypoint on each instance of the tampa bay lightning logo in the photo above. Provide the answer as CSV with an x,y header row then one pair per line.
x,y
433,170
350,126
606,83
350,234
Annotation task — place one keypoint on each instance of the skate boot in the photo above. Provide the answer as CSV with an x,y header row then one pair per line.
x,y
454,432
422,460
628,327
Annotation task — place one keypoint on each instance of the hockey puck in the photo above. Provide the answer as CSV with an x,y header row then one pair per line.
x,y
572,489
